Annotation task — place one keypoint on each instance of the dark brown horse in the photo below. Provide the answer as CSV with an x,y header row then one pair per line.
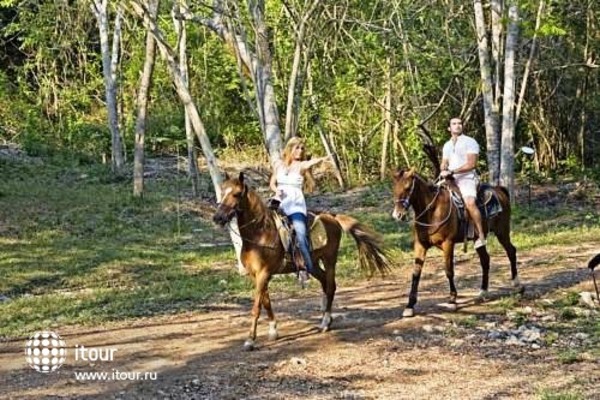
x,y
436,223
263,254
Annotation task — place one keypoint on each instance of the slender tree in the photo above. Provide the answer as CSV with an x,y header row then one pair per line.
x,y
142,106
110,61
507,172
181,31
491,118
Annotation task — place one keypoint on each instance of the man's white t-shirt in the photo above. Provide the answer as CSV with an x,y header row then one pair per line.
x,y
456,152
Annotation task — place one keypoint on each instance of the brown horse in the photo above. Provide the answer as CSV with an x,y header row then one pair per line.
x,y
263,254
436,223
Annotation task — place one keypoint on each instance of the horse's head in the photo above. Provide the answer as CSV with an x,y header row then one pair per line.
x,y
233,193
403,189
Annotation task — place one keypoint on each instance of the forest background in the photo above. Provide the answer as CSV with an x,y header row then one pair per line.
x,y
371,81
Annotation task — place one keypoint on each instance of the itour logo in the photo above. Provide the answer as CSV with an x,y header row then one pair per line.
x,y
45,351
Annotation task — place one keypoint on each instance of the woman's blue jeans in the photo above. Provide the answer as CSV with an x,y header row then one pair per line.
x,y
299,221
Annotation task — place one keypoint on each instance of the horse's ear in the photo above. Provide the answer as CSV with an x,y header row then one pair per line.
x,y
398,173
410,172
241,177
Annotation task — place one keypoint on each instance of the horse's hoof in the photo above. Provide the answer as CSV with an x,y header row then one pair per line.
x,y
483,295
325,323
325,326
273,330
408,312
249,345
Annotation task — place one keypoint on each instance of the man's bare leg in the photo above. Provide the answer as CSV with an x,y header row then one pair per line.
x,y
476,218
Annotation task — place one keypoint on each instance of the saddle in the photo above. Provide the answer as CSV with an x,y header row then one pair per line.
x,y
287,235
487,202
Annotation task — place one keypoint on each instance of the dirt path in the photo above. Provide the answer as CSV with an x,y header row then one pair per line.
x,y
371,353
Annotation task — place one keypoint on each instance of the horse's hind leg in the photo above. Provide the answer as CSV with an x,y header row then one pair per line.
x,y
511,252
327,279
448,249
484,261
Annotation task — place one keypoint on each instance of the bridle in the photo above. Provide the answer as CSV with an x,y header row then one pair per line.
x,y
237,210
405,202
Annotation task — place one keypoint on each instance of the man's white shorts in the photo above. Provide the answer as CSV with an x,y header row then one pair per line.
x,y
467,183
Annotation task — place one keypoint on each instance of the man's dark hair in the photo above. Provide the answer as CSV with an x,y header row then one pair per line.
x,y
451,118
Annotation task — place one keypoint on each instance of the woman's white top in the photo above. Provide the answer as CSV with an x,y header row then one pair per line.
x,y
290,181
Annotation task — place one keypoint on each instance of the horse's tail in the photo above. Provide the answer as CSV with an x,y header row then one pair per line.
x,y
505,190
502,190
594,262
371,254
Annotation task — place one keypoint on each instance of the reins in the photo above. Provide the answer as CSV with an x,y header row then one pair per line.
x,y
406,200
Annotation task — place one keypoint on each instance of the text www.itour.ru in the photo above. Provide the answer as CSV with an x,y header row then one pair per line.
x,y
115,375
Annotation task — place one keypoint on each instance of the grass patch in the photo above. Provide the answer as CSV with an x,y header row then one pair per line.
x,y
469,322
551,394
569,356
506,303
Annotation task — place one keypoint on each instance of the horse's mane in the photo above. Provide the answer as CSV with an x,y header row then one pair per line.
x,y
264,217
432,187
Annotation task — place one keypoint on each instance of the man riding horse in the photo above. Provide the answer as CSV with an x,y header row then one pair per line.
x,y
459,160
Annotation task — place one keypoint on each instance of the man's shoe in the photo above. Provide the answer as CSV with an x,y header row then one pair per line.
x,y
480,243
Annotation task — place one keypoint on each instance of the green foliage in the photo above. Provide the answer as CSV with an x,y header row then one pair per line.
x,y
52,90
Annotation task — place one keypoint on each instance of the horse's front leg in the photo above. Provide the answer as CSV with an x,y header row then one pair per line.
x,y
448,249
260,282
266,303
420,252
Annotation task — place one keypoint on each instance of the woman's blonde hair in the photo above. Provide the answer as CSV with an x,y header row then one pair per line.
x,y
309,180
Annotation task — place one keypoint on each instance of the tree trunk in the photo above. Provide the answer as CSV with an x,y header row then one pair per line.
x,y
181,31
490,115
259,65
265,91
496,10
387,117
507,173
142,105
521,98
296,79
109,66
